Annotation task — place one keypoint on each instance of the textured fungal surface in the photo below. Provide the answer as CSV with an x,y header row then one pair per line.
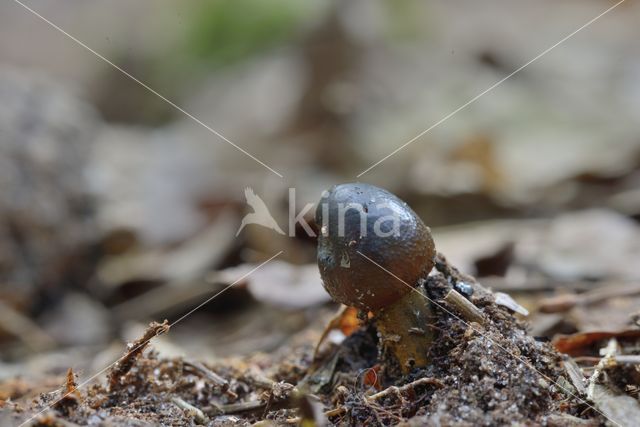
x,y
360,221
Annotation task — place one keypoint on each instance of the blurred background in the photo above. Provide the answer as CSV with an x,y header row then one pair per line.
x,y
117,209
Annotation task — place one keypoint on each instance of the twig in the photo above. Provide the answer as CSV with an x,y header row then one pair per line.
x,y
631,359
125,364
198,416
403,389
609,353
207,373
565,302
464,307
335,412
259,379
280,397
235,408
398,391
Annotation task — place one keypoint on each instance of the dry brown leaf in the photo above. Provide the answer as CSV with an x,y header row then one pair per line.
x,y
279,283
581,343
346,320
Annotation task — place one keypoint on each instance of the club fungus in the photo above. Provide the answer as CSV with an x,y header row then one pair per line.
x,y
361,226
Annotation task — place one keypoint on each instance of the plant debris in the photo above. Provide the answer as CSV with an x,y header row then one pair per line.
x,y
485,369
134,350
71,395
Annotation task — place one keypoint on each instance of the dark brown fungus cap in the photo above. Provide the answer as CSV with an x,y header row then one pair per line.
x,y
367,219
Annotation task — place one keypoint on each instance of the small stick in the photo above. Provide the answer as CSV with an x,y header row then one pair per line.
x,y
135,349
198,416
234,408
565,302
259,379
464,307
286,399
335,412
631,359
609,354
207,373
391,390
403,389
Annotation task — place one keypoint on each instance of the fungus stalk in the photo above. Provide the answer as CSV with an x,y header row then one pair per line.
x,y
404,330
360,250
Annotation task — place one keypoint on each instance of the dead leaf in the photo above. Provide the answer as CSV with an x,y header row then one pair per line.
x,y
346,320
583,343
279,283
620,409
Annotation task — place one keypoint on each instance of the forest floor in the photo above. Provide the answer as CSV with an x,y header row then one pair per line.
x,y
485,369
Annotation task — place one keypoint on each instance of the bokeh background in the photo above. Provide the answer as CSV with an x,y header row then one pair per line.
x,y
117,209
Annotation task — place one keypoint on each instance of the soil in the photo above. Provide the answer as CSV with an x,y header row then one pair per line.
x,y
492,373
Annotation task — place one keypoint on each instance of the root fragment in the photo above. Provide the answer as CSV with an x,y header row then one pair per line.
x,y
393,390
399,391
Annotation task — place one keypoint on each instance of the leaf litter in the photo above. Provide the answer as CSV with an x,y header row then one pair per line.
x,y
484,370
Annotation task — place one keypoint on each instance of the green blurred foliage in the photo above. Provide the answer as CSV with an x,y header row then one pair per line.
x,y
227,31
405,20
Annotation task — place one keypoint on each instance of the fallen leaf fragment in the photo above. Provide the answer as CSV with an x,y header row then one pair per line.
x,y
346,320
620,409
582,343
279,283
505,300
